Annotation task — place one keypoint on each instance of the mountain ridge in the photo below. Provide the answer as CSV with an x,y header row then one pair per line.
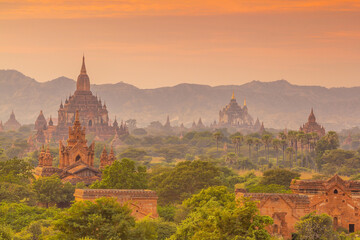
x,y
278,103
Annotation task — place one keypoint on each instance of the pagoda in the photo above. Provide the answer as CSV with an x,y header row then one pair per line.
x,y
93,114
312,126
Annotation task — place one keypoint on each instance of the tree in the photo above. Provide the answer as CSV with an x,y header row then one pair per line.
x,y
149,229
133,153
276,145
249,142
122,175
20,215
15,171
279,176
257,143
267,139
218,136
51,190
221,217
328,142
103,219
292,138
237,139
313,226
176,184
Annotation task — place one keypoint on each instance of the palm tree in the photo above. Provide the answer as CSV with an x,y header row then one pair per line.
x,y
257,143
276,144
290,151
283,144
249,142
266,139
218,136
292,137
237,139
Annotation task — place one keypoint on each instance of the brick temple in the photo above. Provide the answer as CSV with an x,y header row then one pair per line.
x,y
336,197
93,114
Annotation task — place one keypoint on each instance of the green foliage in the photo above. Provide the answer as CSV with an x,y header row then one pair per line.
x,y
103,219
148,229
271,188
340,161
11,192
313,226
176,184
328,142
15,171
279,176
220,217
6,232
19,215
133,153
51,190
166,212
123,175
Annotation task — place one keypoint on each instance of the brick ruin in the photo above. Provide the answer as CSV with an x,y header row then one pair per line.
x,y
336,197
142,202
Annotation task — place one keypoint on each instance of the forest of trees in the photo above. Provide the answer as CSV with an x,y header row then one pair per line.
x,y
194,177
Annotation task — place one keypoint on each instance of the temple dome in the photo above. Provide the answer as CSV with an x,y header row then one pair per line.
x,y
83,80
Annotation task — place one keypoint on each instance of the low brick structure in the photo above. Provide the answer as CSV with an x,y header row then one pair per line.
x,y
142,202
336,197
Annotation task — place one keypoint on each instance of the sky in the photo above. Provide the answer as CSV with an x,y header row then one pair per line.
x,y
155,43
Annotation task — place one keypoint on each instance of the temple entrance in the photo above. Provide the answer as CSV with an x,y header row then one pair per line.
x,y
335,221
78,158
351,228
90,123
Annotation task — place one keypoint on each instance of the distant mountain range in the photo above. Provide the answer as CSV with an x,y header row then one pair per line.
x,y
278,104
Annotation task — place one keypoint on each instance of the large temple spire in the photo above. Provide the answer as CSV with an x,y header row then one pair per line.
x,y
83,68
83,81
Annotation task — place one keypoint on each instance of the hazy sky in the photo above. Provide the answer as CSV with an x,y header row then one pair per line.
x,y
152,43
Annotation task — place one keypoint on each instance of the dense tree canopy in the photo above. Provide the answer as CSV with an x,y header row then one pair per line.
x,y
313,226
123,174
279,176
103,219
214,214
176,184
51,190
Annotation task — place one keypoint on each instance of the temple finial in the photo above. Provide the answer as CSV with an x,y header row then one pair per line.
x,y
244,101
233,96
83,68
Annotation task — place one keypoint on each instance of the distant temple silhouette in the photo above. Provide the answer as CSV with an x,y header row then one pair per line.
x,y
312,126
233,115
92,114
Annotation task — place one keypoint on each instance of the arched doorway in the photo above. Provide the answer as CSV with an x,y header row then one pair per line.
x,y
90,123
78,158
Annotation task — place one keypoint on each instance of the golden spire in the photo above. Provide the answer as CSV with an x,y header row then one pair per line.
x,y
233,96
244,101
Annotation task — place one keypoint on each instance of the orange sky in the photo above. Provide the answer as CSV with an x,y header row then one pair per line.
x,y
166,42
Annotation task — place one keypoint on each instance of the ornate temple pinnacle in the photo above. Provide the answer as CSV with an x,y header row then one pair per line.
x,y
244,101
83,68
233,95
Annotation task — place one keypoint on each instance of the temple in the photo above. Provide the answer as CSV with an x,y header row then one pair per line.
x,y
92,113
312,126
12,124
76,159
336,197
233,115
